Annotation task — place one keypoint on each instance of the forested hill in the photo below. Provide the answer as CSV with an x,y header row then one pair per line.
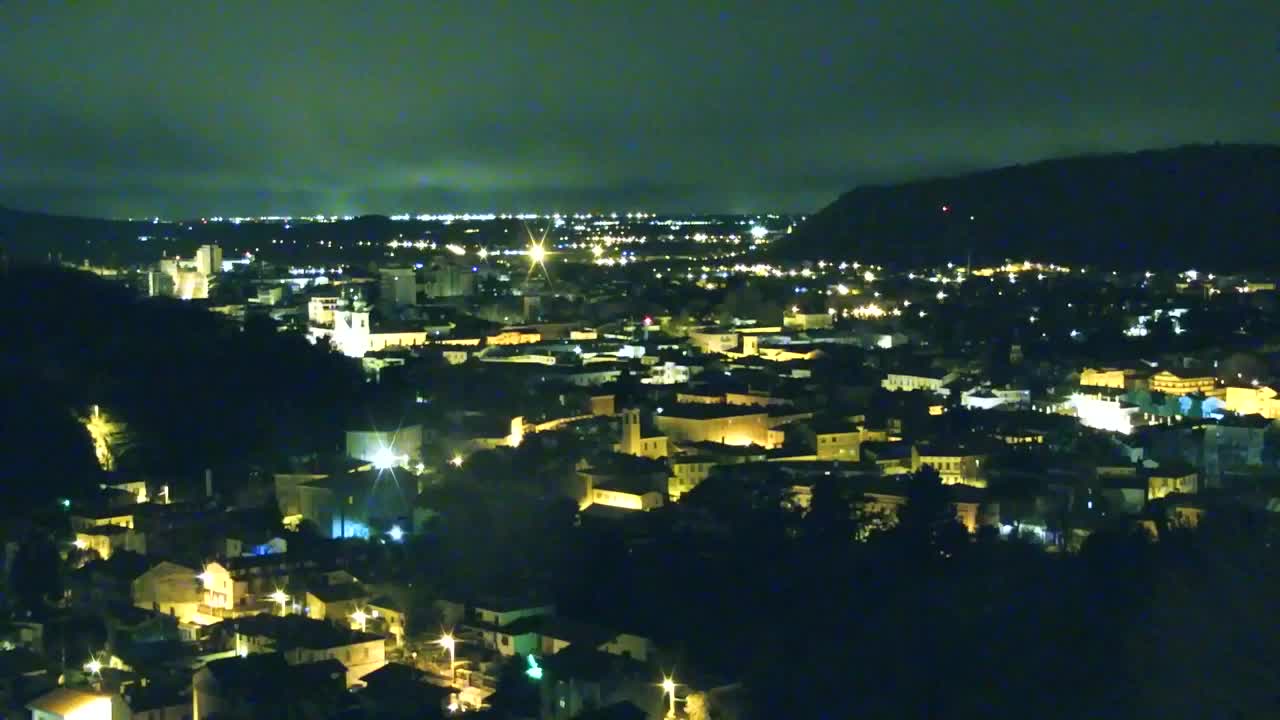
x,y
194,388
1210,206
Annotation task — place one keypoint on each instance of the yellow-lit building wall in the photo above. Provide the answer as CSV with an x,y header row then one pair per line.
x,y
1170,384
626,500
955,469
686,476
838,446
1159,486
1105,377
741,430
1253,401
514,337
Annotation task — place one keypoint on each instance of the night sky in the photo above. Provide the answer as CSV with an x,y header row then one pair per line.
x,y
195,108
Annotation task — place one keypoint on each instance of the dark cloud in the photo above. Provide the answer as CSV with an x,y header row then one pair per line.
x,y
170,108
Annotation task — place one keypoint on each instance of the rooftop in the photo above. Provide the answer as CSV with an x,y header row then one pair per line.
x,y
339,593
700,411
295,631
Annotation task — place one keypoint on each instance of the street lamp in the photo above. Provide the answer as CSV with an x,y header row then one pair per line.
x,y
456,460
669,689
280,598
361,618
450,643
93,667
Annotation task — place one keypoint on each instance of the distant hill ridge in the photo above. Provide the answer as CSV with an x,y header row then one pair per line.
x,y
1211,206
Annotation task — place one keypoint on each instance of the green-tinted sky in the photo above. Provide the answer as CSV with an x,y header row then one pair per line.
x,y
190,107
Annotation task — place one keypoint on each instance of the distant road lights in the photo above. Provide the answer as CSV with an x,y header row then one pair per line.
x,y
456,460
597,251
396,533
869,276
482,253
941,296
758,232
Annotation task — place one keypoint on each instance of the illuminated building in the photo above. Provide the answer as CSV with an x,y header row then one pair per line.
x,y
714,341
66,703
218,588
88,519
1182,383
667,373
208,260
986,398
729,425
353,335
349,506
638,495
954,465
336,603
303,640
930,382
169,588
188,279
794,320
1253,400
514,336
105,540
626,482
1113,378
1169,480
1103,412
687,473
838,444
603,404
320,310
635,443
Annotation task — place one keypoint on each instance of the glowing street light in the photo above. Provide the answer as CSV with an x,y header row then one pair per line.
x,y
450,643
280,598
384,458
396,533
537,253
669,689
456,460
93,667
361,619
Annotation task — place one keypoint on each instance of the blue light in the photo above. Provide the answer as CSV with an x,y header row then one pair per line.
x,y
534,671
